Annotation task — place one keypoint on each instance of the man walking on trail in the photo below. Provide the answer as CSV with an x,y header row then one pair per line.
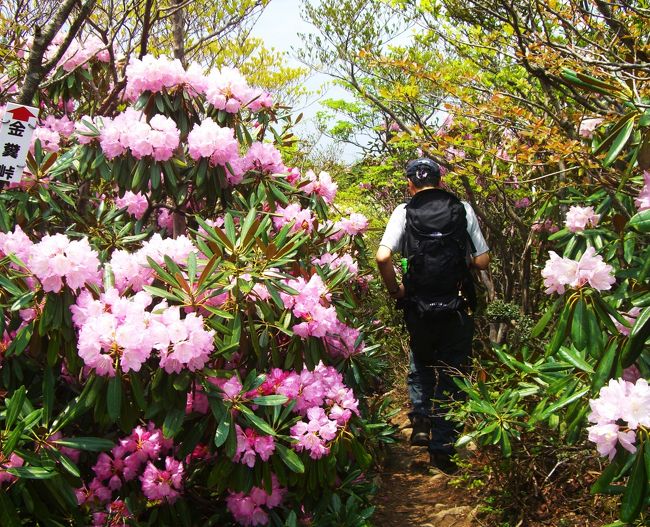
x,y
439,239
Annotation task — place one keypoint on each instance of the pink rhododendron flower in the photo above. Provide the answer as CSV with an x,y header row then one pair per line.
x,y
49,140
165,220
136,204
250,445
522,203
128,131
620,401
217,143
17,243
57,257
302,219
63,126
544,226
561,272
321,185
264,157
153,74
354,225
588,126
643,199
133,270
251,509
13,461
578,218
79,53
163,484
334,261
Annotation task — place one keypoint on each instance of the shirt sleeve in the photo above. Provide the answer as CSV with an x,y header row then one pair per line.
x,y
395,228
480,246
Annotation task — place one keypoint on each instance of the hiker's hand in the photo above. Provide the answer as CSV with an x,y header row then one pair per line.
x,y
399,293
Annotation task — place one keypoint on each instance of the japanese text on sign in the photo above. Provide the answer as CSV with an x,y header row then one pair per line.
x,y
16,130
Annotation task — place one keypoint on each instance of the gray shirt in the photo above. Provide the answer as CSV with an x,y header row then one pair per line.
x,y
396,227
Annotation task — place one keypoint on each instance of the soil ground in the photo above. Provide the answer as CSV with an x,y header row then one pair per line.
x,y
412,493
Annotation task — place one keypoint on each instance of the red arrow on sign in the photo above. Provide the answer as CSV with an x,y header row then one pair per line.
x,y
21,114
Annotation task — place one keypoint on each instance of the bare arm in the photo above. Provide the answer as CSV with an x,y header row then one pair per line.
x,y
387,272
481,262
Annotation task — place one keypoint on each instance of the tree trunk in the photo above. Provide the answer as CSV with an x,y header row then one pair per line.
x,y
36,69
178,25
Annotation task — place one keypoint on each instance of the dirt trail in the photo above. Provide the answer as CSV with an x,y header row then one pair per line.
x,y
412,493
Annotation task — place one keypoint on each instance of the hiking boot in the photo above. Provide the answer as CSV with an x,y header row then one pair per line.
x,y
421,430
443,462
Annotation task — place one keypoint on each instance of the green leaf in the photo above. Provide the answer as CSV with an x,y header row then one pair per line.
x,y
173,422
608,475
91,444
256,421
114,397
564,402
223,430
641,221
546,317
580,325
560,331
270,400
604,369
15,406
33,472
8,515
635,492
619,142
290,458
574,357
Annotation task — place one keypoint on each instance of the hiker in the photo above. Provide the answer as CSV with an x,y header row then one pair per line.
x,y
439,239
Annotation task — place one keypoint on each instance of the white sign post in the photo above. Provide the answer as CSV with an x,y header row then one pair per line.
x,y
16,130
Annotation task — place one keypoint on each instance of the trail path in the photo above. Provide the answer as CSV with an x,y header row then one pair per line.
x,y
412,493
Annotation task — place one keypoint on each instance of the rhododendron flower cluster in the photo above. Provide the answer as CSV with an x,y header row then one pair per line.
x,y
129,131
250,444
136,458
63,126
133,270
13,461
354,225
119,328
163,484
152,74
214,142
619,401
252,508
322,185
165,220
303,219
264,157
17,243
578,218
561,272
642,201
544,226
57,257
80,53
48,138
588,126
136,204
117,513
334,261
228,90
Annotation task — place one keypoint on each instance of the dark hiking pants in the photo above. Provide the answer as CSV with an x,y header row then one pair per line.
x,y
440,348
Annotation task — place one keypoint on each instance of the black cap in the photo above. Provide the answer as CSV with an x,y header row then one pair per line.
x,y
421,168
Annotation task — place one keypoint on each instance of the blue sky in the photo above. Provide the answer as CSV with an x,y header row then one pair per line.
x,y
279,26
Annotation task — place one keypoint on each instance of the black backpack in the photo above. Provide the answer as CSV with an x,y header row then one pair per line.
x,y
437,248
